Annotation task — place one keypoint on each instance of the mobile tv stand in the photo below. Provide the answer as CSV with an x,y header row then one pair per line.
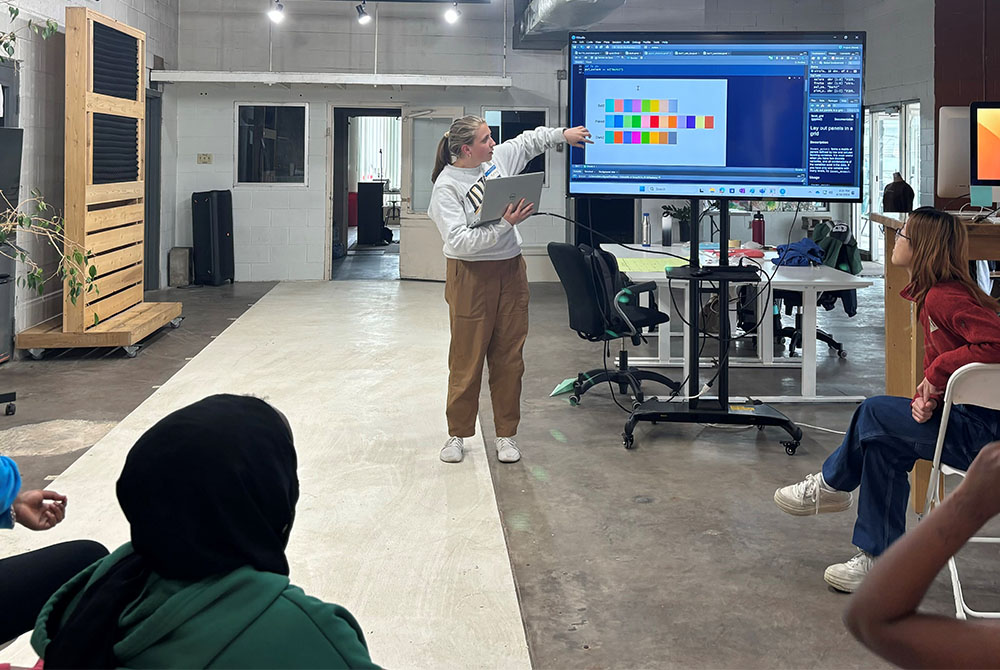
x,y
719,410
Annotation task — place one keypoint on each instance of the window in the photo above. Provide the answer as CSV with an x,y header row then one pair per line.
x,y
271,141
508,124
776,206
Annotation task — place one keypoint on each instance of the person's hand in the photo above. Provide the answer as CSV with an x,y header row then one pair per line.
x,y
577,137
923,410
515,214
981,487
926,390
38,509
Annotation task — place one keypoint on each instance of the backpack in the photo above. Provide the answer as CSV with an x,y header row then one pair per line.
x,y
608,282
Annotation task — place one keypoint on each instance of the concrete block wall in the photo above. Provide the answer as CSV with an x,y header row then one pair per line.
x,y
42,115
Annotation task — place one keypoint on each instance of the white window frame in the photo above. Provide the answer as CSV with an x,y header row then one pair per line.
x,y
518,108
236,146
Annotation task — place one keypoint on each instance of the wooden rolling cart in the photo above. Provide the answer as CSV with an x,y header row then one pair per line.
x,y
904,354
104,190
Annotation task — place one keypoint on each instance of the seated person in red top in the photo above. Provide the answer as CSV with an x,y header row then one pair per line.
x,y
888,434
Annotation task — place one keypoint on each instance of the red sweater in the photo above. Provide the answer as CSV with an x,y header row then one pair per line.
x,y
957,330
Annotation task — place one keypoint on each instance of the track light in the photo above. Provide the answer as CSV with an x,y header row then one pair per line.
x,y
363,16
452,14
277,13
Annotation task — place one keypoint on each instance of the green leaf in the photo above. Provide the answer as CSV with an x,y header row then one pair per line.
x,y
93,272
97,320
14,11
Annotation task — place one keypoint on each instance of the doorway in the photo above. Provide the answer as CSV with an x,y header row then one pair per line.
x,y
366,164
8,119
891,144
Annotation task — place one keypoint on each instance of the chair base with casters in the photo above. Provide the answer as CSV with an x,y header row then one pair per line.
x,y
972,384
794,336
628,379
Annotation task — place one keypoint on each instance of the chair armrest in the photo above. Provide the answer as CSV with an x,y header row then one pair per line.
x,y
644,287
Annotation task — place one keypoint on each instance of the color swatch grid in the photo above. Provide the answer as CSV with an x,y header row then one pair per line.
x,y
645,121
639,137
612,105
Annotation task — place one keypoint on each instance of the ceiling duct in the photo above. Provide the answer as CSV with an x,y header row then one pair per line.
x,y
544,24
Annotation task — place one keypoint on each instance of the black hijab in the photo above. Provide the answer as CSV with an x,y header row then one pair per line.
x,y
209,489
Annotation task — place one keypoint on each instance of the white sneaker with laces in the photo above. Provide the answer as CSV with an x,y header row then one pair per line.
x,y
847,577
452,451
507,451
812,496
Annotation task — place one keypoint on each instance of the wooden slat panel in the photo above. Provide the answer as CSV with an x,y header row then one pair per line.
x,y
116,260
114,216
99,193
76,139
106,104
117,25
99,243
111,305
114,282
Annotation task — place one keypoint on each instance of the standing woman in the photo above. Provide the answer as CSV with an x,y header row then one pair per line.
x,y
486,286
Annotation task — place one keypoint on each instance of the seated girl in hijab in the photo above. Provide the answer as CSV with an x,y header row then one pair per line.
x,y
210,495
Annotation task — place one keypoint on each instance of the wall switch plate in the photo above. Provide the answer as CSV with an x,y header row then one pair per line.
x,y
204,159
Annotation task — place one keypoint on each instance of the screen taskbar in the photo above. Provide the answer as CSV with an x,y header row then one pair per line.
x,y
735,191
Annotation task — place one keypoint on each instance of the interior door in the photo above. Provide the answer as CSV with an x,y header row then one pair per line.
x,y
8,119
420,244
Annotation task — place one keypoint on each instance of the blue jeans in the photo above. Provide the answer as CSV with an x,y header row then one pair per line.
x,y
881,447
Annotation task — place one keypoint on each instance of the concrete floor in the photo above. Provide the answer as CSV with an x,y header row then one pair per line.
x,y
671,555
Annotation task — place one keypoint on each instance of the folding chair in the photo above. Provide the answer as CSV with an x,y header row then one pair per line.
x,y
972,384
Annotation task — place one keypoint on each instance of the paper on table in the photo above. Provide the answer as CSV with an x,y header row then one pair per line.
x,y
649,264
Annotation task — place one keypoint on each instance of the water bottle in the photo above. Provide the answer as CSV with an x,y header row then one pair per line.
x,y
647,232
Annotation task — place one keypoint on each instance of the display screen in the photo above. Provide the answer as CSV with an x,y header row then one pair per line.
x,y
774,116
985,143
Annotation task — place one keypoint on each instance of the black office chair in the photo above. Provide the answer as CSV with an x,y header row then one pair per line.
x,y
792,302
603,306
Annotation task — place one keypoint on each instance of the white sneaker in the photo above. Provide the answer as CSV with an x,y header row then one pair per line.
x,y
507,451
812,496
452,451
847,577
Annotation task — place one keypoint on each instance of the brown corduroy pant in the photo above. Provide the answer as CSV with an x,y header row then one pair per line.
x,y
488,306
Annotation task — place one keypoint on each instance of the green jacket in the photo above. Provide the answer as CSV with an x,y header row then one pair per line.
x,y
840,250
245,619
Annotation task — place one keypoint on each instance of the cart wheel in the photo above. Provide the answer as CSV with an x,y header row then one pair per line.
x,y
574,400
10,409
36,354
791,446
842,353
176,323
628,441
760,427
132,351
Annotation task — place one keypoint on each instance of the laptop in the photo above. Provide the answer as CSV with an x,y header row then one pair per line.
x,y
503,191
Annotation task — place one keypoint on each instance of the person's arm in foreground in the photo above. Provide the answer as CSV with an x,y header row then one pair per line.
x,y
883,615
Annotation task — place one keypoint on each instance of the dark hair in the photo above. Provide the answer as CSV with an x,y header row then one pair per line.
x,y
940,246
463,131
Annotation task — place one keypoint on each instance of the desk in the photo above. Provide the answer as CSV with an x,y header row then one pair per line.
x,y
904,351
810,281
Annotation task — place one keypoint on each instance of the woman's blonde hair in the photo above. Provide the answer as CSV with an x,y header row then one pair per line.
x,y
940,247
463,131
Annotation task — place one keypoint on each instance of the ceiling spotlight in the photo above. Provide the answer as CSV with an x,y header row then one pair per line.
x,y
363,16
451,16
277,13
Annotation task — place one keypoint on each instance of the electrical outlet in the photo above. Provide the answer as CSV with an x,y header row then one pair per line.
x,y
204,159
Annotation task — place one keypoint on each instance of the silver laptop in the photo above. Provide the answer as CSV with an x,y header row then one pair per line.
x,y
504,191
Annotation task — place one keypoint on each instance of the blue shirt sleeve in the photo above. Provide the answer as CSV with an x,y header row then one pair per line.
x,y
10,486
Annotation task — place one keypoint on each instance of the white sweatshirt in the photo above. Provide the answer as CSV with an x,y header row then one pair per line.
x,y
458,195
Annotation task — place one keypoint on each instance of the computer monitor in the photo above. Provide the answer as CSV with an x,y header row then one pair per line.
x,y
953,152
774,116
984,144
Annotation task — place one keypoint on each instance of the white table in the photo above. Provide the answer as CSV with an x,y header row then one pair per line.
x,y
810,281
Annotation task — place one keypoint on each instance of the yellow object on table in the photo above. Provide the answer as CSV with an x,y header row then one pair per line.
x,y
649,264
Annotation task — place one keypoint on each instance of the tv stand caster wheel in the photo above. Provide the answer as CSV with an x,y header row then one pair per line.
x,y
760,428
574,400
636,405
10,409
842,353
791,446
628,441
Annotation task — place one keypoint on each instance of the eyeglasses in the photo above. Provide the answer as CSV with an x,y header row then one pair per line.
x,y
899,232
